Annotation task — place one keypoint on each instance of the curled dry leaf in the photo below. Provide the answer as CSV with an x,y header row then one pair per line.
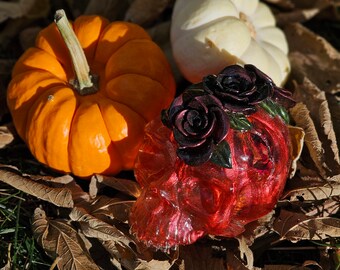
x,y
297,136
126,186
245,252
315,118
58,196
301,117
296,227
60,240
144,12
96,228
116,242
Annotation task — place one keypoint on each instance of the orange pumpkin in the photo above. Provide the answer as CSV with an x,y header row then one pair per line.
x,y
97,131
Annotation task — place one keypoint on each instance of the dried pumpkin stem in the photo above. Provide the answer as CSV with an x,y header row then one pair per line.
x,y
84,81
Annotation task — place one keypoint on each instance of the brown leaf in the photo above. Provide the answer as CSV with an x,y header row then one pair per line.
x,y
286,4
15,9
200,257
107,208
144,12
233,262
113,10
284,267
327,208
126,186
313,57
297,136
316,102
245,252
308,190
116,242
6,135
96,228
301,116
60,240
154,265
295,227
59,196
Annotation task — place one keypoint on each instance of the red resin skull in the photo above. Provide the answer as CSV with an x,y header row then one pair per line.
x,y
181,203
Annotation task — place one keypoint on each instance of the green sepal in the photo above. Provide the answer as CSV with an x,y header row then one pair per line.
x,y
275,109
239,122
222,155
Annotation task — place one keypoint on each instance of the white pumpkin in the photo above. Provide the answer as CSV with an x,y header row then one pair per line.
x,y
208,35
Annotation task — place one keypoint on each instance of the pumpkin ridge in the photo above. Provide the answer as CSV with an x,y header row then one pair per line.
x,y
30,138
161,59
122,103
142,36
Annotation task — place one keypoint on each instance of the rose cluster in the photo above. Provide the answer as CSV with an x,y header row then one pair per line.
x,y
199,117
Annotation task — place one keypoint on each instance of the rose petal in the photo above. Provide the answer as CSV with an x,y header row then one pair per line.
x,y
195,156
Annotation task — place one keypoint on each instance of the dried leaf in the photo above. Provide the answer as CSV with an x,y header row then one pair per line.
x,y
258,228
126,186
144,12
60,240
113,10
317,104
312,192
233,262
284,267
301,117
297,136
295,227
245,252
96,228
313,57
327,208
59,196
200,257
107,208
154,265
6,135
286,4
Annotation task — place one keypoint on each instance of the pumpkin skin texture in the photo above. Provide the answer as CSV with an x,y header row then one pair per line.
x,y
207,35
100,132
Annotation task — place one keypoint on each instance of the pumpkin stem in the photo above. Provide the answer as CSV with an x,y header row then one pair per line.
x,y
84,82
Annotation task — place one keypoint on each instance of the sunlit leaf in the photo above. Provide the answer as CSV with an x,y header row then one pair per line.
x,y
297,136
60,240
58,196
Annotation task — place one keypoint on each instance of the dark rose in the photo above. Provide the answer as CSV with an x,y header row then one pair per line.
x,y
198,122
241,89
278,94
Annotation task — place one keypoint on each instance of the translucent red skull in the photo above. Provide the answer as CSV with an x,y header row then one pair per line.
x,y
186,196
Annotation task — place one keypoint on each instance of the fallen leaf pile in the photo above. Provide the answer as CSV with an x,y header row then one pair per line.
x,y
85,225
